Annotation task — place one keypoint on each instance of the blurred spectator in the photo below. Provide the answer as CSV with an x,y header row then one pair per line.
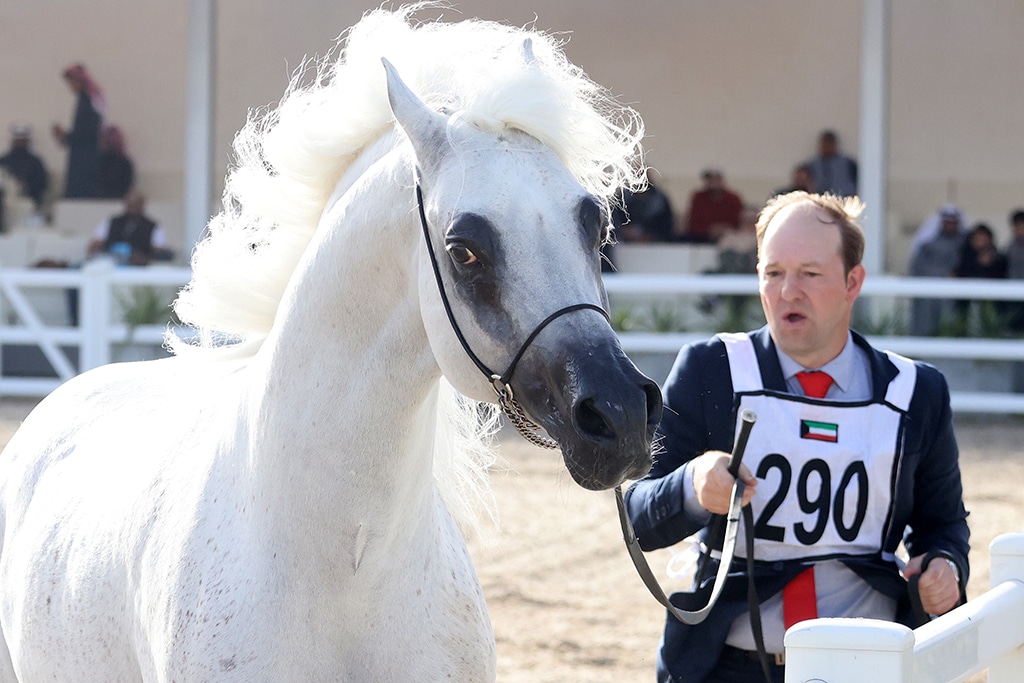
x,y
713,210
802,179
83,140
27,168
832,171
737,249
131,237
737,254
1015,252
937,257
933,225
1015,267
116,169
979,256
644,216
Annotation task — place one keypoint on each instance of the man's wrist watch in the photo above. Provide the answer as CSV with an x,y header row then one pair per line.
x,y
954,567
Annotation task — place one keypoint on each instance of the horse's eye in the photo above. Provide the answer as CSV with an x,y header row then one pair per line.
x,y
461,254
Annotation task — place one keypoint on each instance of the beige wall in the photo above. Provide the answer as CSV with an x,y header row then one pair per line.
x,y
745,85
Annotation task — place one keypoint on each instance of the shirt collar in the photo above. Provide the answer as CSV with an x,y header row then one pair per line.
x,y
840,368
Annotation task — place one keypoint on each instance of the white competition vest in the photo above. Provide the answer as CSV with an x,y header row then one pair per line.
x,y
827,470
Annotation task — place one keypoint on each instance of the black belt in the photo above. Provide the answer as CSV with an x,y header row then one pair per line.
x,y
774,660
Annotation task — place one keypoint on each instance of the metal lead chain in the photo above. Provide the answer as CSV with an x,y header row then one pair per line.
x,y
515,414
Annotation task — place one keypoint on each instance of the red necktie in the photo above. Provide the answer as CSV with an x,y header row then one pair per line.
x,y
799,599
815,383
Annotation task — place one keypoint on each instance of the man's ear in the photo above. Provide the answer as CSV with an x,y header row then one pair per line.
x,y
854,281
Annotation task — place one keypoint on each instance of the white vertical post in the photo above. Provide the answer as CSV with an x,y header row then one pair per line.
x,y
199,118
1006,555
873,163
94,313
3,323
849,651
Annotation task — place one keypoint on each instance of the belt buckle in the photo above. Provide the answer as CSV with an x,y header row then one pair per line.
x,y
780,659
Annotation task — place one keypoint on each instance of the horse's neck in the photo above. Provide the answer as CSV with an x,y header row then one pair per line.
x,y
346,410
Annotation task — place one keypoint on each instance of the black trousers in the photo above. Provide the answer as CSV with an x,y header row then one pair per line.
x,y
738,666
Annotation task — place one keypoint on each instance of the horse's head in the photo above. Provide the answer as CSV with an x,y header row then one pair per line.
x,y
516,240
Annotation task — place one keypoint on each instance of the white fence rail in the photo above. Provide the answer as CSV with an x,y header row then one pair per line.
x,y
93,287
98,330
878,285
637,287
986,633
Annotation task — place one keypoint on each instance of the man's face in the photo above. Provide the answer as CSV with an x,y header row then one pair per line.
x,y
713,181
801,178
134,203
950,225
74,82
828,146
806,296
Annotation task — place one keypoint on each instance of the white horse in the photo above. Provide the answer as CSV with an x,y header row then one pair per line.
x,y
262,507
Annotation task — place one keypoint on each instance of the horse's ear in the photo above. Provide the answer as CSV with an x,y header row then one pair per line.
x,y
425,128
529,58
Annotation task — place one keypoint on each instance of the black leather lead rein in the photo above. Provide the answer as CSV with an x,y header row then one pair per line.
x,y
509,406
747,420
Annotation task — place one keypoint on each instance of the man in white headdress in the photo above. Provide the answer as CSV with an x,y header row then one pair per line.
x,y
936,254
932,226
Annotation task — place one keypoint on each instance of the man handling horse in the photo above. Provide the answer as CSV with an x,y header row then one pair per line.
x,y
853,452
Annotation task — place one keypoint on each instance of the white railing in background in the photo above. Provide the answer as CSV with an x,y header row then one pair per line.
x,y
878,285
635,286
97,330
986,633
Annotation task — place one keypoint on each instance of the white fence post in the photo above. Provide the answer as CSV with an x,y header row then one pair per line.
x,y
987,632
1007,558
849,651
94,313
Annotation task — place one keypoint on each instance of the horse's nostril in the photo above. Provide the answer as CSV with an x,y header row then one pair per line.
x,y
654,403
591,422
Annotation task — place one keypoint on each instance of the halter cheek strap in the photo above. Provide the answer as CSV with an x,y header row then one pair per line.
x,y
500,382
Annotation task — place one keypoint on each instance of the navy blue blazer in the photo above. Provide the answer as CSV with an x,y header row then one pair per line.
x,y
700,415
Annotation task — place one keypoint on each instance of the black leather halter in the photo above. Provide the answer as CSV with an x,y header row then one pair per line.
x,y
500,382
529,431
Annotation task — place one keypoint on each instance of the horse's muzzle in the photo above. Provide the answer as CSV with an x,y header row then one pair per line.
x,y
603,412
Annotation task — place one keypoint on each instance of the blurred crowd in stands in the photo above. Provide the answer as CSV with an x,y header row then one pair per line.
x,y
945,245
98,163
98,168
714,210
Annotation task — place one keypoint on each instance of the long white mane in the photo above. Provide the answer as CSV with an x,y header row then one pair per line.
x,y
290,158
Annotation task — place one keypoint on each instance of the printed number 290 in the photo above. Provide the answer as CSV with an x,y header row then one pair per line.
x,y
821,504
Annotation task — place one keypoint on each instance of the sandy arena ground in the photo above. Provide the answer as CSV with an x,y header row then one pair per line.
x,y
566,603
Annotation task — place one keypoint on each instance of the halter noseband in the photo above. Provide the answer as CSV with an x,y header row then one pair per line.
x,y
499,382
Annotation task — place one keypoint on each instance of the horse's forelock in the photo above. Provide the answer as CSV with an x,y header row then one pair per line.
x,y
289,158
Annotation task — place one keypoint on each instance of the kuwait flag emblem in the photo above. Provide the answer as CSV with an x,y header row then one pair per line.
x,y
819,431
